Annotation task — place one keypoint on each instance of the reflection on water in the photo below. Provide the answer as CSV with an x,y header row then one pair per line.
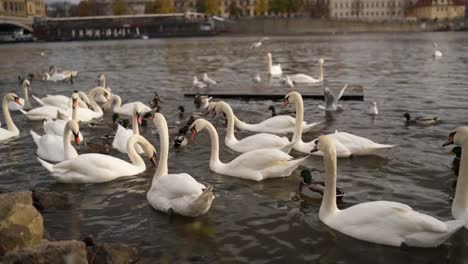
x,y
254,222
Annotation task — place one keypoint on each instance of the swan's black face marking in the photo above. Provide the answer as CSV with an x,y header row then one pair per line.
x,y
181,108
450,139
74,103
315,149
16,99
77,137
154,161
285,102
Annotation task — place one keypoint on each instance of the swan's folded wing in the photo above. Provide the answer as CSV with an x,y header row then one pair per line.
x,y
260,159
93,163
390,215
265,140
174,186
278,122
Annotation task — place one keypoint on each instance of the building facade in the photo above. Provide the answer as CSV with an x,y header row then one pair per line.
x,y
367,9
439,9
22,8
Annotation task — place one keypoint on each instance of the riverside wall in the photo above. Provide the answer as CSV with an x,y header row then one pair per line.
x,y
311,26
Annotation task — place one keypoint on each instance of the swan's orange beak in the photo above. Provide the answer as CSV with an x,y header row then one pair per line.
x,y
285,102
449,140
74,103
154,161
139,119
17,101
107,96
77,138
194,132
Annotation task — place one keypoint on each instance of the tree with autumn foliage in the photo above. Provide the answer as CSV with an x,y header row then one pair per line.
x,y
120,7
159,7
285,6
261,7
210,7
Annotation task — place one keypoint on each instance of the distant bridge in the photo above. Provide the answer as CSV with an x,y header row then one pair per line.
x,y
8,22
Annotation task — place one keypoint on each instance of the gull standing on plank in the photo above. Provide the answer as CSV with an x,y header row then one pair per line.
x,y
331,101
208,80
197,83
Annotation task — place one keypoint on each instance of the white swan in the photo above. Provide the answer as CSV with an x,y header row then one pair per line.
x,y
257,141
208,80
95,168
23,103
289,82
123,135
280,124
125,110
254,165
346,144
55,76
57,148
273,70
460,202
57,127
62,101
179,193
12,130
382,222
197,83
331,101
303,78
436,53
86,114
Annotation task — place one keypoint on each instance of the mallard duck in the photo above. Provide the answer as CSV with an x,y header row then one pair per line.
x,y
314,189
156,101
181,115
422,120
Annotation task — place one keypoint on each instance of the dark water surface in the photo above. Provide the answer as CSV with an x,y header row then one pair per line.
x,y
252,222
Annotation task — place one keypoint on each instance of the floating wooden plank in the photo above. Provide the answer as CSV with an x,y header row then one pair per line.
x,y
353,92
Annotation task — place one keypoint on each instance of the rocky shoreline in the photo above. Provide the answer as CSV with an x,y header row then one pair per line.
x,y
22,234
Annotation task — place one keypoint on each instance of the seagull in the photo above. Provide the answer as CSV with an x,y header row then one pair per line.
x,y
373,109
197,83
331,102
43,54
208,80
257,78
258,44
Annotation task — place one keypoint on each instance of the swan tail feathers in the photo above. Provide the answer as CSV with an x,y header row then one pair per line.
x,y
39,101
203,203
383,146
46,165
35,137
22,111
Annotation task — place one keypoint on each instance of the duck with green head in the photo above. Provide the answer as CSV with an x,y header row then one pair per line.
x,y
314,189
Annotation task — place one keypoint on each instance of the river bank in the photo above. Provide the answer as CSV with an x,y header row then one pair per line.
x,y
313,26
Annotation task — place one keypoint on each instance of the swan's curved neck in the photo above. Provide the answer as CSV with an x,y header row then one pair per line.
x,y
74,113
297,136
161,126
135,127
6,115
241,124
103,82
67,146
27,104
214,159
270,64
321,72
132,153
230,123
92,100
328,205
117,100
460,202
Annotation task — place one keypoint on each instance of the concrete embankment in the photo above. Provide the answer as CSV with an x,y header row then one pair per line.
x,y
311,26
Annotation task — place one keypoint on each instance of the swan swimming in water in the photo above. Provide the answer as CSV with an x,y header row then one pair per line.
x,y
303,78
23,103
436,53
12,130
273,70
331,101
381,222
